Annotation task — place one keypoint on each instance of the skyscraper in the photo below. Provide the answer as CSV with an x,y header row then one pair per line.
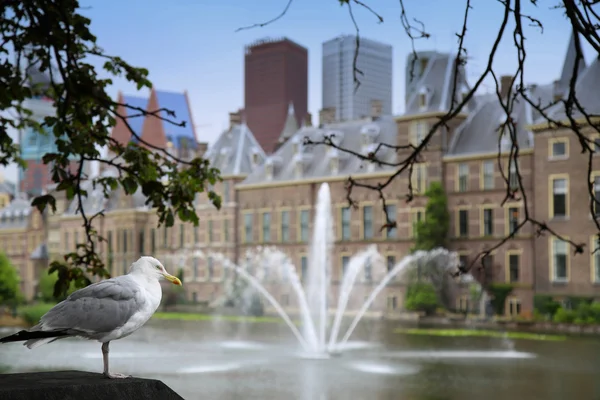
x,y
374,60
276,76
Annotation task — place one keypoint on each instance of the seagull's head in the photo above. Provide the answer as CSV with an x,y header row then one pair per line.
x,y
150,266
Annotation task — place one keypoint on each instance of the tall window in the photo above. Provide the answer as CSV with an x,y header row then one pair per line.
x,y
513,176
488,268
153,240
513,219
559,149
181,236
345,261
195,268
463,177
419,132
488,222
390,261
248,228
367,222
141,242
416,217
559,197
123,237
210,269
304,225
391,232
596,259
226,230
195,233
463,223
514,261
209,231
597,196
345,215
304,267
488,175
285,226
419,178
559,260
266,227
165,237
514,306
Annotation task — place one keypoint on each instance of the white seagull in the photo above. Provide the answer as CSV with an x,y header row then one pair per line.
x,y
104,311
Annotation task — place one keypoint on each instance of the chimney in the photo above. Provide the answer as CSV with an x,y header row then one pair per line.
x,y
235,118
505,82
376,108
308,120
327,116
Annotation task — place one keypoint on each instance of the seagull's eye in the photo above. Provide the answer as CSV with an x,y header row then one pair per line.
x,y
158,267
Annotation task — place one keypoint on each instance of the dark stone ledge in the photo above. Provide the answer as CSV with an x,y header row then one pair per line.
x,y
77,385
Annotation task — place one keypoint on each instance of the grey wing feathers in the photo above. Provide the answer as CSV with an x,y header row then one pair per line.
x,y
100,307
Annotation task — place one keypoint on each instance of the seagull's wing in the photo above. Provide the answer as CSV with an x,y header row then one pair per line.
x,y
97,308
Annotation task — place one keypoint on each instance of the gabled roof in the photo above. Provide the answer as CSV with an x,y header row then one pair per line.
x,y
480,132
136,118
178,103
291,125
586,92
16,214
433,75
294,160
96,202
236,152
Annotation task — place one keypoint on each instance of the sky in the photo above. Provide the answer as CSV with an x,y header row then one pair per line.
x,y
193,45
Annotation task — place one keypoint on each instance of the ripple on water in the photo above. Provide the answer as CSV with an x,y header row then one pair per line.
x,y
209,368
241,345
462,354
384,369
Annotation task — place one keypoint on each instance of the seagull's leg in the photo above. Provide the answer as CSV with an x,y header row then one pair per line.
x,y
105,359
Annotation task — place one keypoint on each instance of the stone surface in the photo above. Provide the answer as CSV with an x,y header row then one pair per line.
x,y
77,385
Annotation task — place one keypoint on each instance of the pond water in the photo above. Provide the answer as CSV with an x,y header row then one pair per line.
x,y
235,360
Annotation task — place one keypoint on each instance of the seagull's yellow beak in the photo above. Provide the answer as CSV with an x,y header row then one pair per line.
x,y
173,279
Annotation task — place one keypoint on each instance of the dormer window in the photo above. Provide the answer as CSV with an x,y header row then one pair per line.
x,y
366,140
423,97
334,165
298,169
269,171
423,63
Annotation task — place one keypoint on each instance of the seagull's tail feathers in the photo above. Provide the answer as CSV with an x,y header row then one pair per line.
x,y
35,338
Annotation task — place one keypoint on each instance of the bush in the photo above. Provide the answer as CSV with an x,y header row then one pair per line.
x,y
545,305
421,297
46,288
499,292
586,313
32,314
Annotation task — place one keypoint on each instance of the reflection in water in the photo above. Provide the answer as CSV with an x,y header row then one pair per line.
x,y
211,361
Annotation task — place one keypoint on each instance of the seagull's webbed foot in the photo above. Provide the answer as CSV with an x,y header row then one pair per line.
x,y
116,375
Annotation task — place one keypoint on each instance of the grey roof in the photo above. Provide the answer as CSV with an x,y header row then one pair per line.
x,y
16,214
95,201
8,187
295,160
569,63
236,152
586,92
436,81
291,125
480,132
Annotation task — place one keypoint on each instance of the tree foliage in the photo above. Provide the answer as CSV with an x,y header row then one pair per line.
x,y
432,231
55,37
10,293
47,288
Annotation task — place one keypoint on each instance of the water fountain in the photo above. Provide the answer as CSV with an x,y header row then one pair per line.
x,y
312,297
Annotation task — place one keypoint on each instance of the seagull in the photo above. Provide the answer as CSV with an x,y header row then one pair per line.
x,y
104,311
